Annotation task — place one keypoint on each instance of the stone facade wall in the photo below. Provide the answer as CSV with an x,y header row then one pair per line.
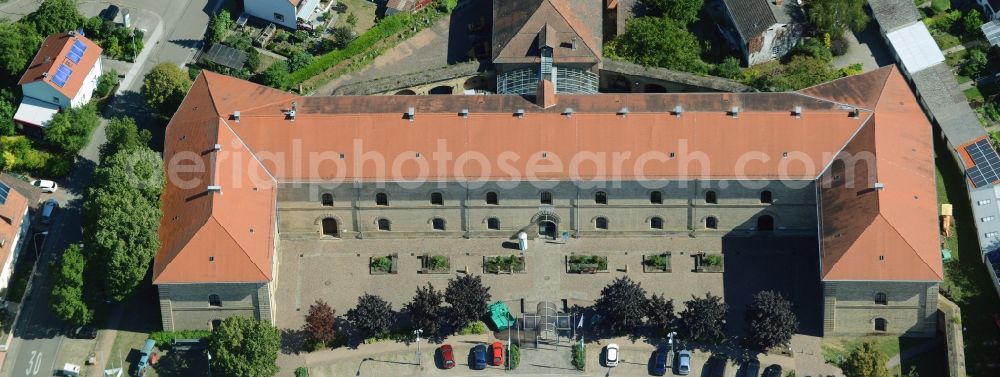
x,y
186,306
465,212
850,307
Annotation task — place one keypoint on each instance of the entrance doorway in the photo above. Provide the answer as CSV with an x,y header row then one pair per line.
x,y
547,228
765,223
330,228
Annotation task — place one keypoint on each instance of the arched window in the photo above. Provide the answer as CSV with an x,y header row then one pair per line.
x,y
546,197
437,199
384,224
214,300
710,197
656,223
601,197
765,197
438,223
493,223
381,199
491,198
881,298
881,325
330,227
328,200
656,197
765,223
712,223
601,223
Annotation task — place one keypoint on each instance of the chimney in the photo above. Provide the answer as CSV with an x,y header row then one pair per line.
x,y
519,113
879,186
45,74
735,111
545,95
291,113
217,147
411,113
215,190
797,112
464,113
678,110
573,43
568,112
623,112
855,113
236,116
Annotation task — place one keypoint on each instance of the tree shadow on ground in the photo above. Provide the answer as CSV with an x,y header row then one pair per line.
x,y
293,341
182,364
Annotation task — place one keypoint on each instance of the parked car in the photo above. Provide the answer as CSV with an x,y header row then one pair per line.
x,y
496,354
111,13
611,355
447,356
45,185
83,332
683,362
773,371
48,209
659,366
478,357
146,357
716,366
751,368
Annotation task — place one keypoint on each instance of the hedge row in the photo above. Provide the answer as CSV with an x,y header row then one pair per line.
x,y
165,339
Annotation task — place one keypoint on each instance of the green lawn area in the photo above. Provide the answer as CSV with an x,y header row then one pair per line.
x,y
966,278
945,40
363,10
962,79
973,95
928,362
956,58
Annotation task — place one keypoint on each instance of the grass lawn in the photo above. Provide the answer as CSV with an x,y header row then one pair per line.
x,y
265,61
945,40
363,10
928,362
973,95
966,277
955,59
962,79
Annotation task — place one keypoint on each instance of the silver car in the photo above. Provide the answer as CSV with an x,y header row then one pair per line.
x,y
46,186
683,362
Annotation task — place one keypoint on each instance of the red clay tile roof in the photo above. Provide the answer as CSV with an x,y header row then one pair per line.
x,y
271,144
517,23
12,214
54,52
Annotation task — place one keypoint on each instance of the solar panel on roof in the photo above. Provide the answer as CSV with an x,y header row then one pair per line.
x,y
62,74
4,191
74,56
78,44
986,169
76,51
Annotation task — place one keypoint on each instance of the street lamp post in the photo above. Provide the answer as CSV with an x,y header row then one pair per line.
x,y
417,332
209,363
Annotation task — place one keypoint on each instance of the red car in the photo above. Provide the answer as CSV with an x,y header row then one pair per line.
x,y
496,354
447,356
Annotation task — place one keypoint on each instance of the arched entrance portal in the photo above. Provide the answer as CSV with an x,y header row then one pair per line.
x,y
765,223
330,227
548,224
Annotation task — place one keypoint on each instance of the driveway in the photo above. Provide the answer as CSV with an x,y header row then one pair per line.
x,y
867,48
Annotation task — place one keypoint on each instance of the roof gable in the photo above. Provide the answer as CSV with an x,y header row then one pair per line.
x,y
55,54
859,90
517,25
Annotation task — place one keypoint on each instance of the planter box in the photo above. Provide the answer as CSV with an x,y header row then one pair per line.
x,y
700,266
592,265
393,263
426,268
647,265
507,264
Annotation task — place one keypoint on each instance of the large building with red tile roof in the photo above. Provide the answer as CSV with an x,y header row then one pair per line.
x,y
63,74
848,162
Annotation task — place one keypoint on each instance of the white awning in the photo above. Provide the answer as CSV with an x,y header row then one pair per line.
x,y
992,32
915,47
34,112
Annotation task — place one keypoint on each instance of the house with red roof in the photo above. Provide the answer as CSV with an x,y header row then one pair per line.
x,y
14,225
63,74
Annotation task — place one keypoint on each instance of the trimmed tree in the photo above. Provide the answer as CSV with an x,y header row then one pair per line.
x,y
18,44
218,25
704,319
164,88
7,109
684,11
658,42
372,316
770,321
67,288
122,133
55,16
660,313
622,305
865,361
243,346
320,324
427,309
468,298
70,129
836,17
275,75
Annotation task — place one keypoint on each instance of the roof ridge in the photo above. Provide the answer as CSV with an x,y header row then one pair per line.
x,y
259,86
224,228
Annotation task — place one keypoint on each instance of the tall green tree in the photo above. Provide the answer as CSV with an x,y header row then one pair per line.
x,y
972,21
70,129
275,75
683,11
18,44
836,17
122,133
244,347
55,16
67,288
660,313
770,321
704,318
218,25
164,88
658,42
622,305
372,315
865,361
468,298
427,310
7,109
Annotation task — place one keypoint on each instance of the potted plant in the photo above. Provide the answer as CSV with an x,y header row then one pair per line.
x,y
656,262
586,264
382,265
435,264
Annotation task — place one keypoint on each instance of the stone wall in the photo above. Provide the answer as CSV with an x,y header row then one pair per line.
x,y
850,307
187,306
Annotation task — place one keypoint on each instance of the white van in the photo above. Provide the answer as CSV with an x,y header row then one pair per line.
x,y
48,209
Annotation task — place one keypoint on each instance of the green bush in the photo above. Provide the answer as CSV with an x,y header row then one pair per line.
x,y
579,352
504,263
474,328
165,339
712,260
514,359
438,262
301,372
576,261
940,5
105,83
382,264
658,260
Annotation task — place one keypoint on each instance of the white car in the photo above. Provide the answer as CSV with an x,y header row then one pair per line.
x,y
611,355
683,362
45,185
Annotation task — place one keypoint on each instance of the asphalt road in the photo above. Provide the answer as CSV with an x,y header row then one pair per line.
x,y
38,335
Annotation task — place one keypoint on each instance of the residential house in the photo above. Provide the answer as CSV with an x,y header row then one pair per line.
x,y
991,9
64,73
285,13
761,30
14,225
